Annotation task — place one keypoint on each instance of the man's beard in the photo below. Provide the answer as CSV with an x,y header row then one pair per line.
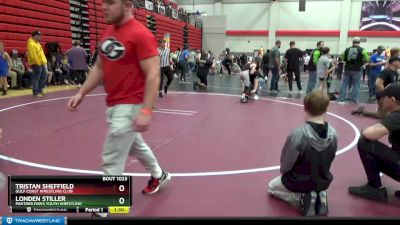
x,y
119,18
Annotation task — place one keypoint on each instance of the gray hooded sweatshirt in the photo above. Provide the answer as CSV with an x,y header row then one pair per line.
x,y
307,157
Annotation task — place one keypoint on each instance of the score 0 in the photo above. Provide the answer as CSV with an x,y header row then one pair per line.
x,y
121,188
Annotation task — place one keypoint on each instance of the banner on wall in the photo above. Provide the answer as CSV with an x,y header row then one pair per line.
x,y
161,10
149,5
380,16
174,14
167,39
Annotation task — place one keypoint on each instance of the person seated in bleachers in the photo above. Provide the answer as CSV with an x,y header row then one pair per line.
x,y
17,67
12,75
54,72
27,78
306,160
66,69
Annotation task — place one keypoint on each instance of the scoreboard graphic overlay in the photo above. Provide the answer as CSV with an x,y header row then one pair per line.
x,y
70,194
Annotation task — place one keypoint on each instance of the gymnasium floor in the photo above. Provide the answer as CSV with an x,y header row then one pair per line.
x,y
221,153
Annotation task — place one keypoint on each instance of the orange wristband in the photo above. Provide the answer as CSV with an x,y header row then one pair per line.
x,y
146,111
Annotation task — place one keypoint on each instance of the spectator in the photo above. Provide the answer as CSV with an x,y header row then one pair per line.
x,y
274,66
355,57
377,157
293,57
191,60
306,59
227,62
65,68
376,65
394,52
78,56
50,73
18,67
324,68
384,79
37,60
265,62
5,68
312,67
27,79
183,58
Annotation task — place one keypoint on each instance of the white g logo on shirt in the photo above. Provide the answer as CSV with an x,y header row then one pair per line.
x,y
112,49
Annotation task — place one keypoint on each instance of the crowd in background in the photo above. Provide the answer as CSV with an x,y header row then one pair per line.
x,y
38,68
169,7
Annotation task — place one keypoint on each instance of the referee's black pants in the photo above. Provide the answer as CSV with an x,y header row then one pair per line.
x,y
168,73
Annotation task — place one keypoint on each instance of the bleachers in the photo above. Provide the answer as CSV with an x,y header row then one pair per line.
x,y
19,18
173,27
96,22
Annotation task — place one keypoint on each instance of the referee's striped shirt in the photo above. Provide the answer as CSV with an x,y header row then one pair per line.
x,y
164,57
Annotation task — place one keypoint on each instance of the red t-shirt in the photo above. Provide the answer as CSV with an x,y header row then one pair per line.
x,y
121,50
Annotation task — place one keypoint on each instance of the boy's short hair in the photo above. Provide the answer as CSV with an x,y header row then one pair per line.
x,y
394,51
325,50
316,103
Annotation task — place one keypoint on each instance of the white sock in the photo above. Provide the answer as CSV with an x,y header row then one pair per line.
x,y
156,172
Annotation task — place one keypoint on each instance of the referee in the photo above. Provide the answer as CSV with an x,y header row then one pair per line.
x,y
165,64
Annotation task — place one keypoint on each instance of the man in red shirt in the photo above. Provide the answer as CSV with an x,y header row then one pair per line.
x,y
129,67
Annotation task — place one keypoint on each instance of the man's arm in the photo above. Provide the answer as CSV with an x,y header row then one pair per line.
x,y
32,55
328,71
277,59
8,59
373,63
151,69
379,84
171,62
316,56
93,79
365,56
375,132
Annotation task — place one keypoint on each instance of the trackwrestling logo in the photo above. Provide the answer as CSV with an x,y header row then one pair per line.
x,y
33,220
